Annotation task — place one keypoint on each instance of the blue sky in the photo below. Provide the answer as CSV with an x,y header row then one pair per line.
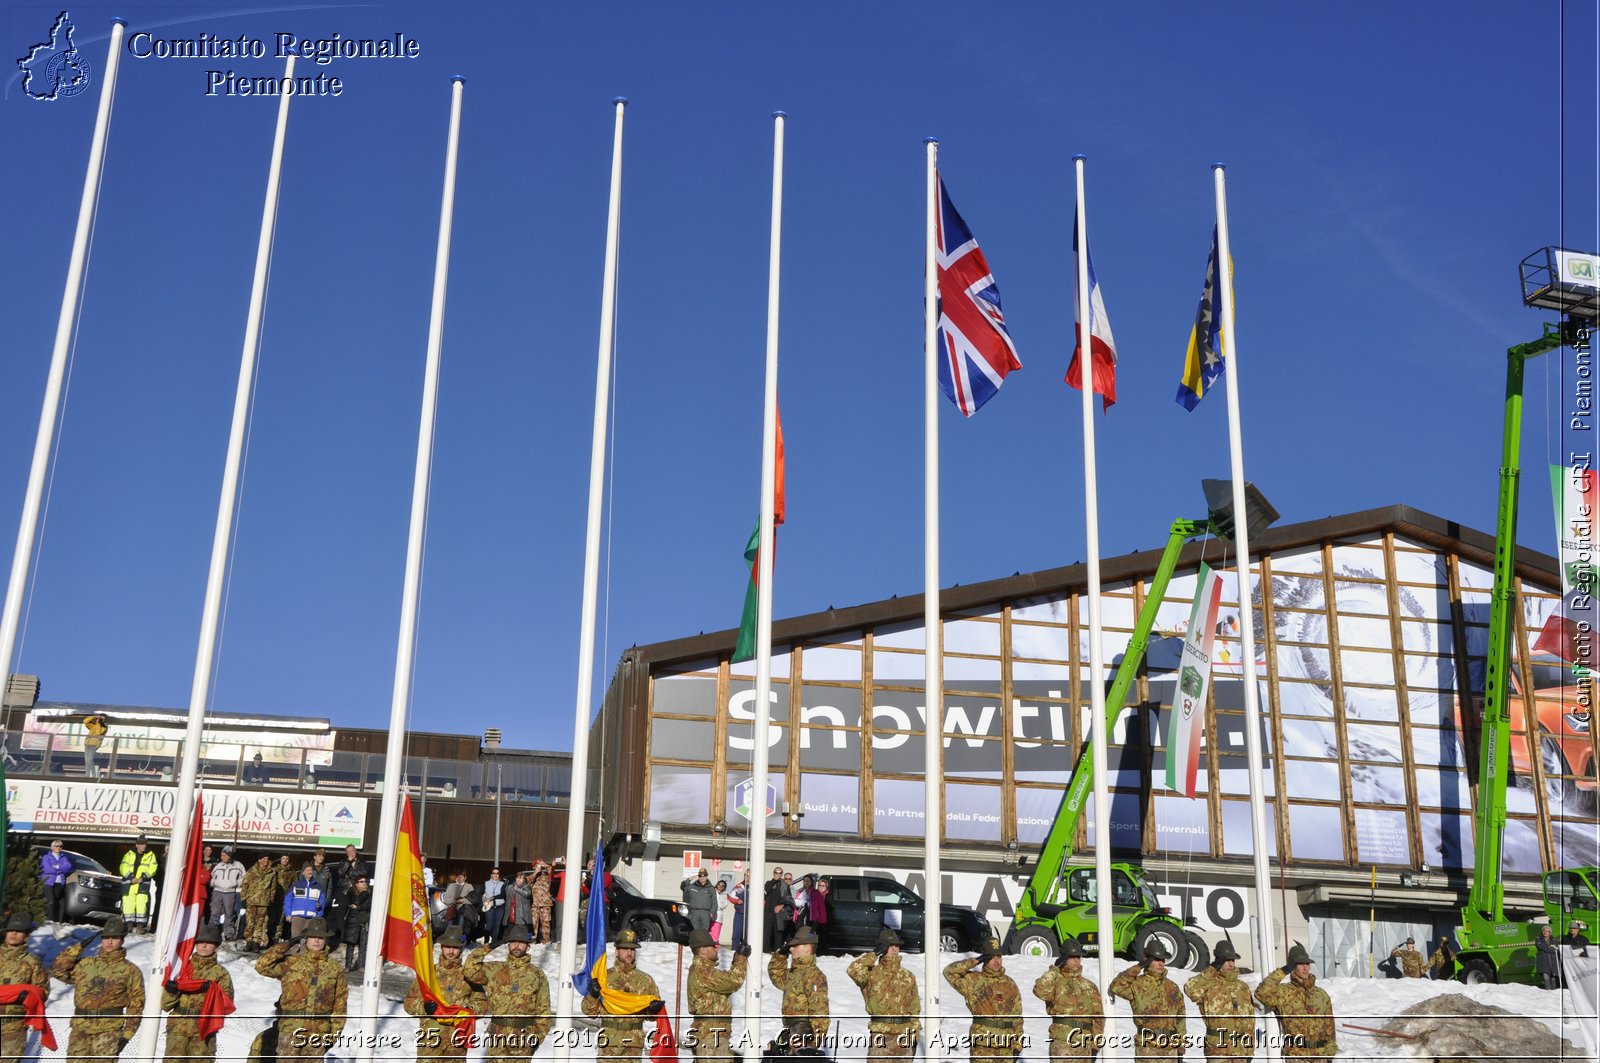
x,y
1388,168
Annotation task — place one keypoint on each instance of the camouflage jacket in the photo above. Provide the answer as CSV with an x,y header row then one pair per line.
x,y
890,991
285,874
710,987
101,984
1156,1002
628,979
995,1003
1442,962
314,985
1411,961
1225,1002
260,886
18,966
539,890
1071,999
1305,1010
805,990
186,1007
514,990
454,986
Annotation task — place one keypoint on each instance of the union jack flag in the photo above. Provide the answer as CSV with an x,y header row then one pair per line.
x,y
977,349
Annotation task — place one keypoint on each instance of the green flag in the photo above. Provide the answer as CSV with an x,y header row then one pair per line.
x,y
745,648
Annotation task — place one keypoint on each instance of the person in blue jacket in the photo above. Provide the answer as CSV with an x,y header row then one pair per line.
x,y
54,867
304,901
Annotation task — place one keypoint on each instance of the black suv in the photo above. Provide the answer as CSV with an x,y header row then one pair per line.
x,y
860,906
93,893
651,919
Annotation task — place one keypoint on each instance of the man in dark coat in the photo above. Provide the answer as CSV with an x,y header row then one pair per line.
x,y
1547,959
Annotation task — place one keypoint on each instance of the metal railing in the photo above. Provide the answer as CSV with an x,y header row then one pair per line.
x,y
143,761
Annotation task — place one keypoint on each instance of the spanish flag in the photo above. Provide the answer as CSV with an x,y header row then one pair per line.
x,y
408,928
1202,365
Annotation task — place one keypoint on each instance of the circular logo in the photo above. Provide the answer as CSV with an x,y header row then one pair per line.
x,y
67,74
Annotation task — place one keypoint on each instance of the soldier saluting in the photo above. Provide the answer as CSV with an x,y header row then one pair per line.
x,y
1305,1011
107,996
1411,962
622,1036
315,994
1158,1007
1077,1016
893,1003
994,1000
805,990
518,996
184,1042
1225,1005
21,974
711,1036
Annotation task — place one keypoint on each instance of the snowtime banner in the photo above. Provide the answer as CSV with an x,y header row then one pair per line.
x,y
1194,677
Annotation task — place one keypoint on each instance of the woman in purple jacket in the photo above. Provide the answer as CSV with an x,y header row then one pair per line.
x,y
54,867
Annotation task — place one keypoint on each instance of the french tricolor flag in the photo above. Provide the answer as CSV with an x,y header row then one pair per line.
x,y
1102,348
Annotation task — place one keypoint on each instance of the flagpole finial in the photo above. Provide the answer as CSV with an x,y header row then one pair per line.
x,y
118,20
780,114
930,140
619,101
459,79
1080,157
1219,166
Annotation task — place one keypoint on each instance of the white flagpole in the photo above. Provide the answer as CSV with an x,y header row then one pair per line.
x,y
394,748
756,915
572,883
1265,947
44,442
1104,933
205,653
933,633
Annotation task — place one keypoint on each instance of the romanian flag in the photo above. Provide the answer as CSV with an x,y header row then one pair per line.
x,y
663,1047
745,648
1203,364
217,1005
408,928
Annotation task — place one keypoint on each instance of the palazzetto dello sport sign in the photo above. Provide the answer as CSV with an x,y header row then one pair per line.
x,y
259,816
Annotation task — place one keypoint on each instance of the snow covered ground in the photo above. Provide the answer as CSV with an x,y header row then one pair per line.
x,y
1364,1002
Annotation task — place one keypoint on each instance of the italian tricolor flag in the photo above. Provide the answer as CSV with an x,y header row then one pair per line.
x,y
745,648
1194,679
1570,632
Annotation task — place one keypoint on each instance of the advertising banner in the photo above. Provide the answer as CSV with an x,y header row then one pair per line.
x,y
44,806
55,729
1194,678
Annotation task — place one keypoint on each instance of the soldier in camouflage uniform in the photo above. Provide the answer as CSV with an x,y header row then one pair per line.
x,y
18,966
311,1005
711,1036
1304,1010
540,889
260,884
517,994
107,996
805,989
622,1036
1158,1007
184,1043
1226,1006
1442,964
1077,1015
436,1040
284,872
1412,965
893,1003
995,1003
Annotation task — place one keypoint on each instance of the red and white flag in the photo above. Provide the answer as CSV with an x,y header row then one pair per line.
x,y
1102,348
190,916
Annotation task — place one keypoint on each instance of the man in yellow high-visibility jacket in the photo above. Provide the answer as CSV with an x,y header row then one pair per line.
x,y
139,867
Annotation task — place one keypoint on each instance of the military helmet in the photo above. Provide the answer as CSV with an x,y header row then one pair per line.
x,y
315,928
1224,951
521,933
990,948
1071,949
1411,940
1157,951
451,938
19,921
626,939
701,939
887,938
211,932
1298,955
804,936
116,927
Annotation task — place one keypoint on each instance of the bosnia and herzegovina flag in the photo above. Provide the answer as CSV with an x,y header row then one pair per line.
x,y
1194,678
1203,363
408,929
745,648
663,1046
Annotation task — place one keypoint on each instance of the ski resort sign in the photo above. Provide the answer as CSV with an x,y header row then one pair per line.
x,y
47,807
